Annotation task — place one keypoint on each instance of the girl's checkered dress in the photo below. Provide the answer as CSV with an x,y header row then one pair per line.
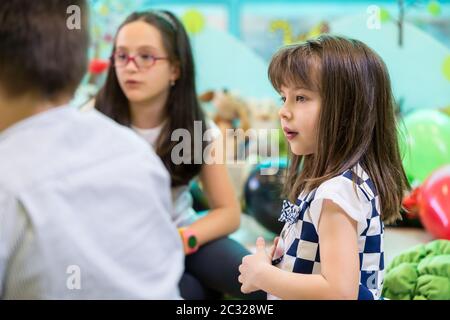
x,y
298,249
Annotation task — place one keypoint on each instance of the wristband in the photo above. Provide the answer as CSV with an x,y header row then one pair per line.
x,y
189,240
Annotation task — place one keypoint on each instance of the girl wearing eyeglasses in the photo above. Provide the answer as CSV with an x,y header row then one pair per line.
x,y
150,87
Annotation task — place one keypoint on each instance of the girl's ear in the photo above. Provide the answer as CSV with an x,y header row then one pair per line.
x,y
176,71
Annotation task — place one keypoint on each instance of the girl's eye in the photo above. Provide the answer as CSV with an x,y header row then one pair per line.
x,y
121,56
300,98
283,99
146,57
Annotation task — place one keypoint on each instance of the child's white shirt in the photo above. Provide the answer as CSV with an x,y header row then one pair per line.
x,y
84,212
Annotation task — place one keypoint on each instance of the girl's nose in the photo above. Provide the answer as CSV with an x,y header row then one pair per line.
x,y
131,67
284,113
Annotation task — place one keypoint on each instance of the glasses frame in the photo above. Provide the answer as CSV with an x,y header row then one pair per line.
x,y
133,58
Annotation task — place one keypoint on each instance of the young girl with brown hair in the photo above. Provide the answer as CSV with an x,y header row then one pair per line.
x,y
150,87
345,177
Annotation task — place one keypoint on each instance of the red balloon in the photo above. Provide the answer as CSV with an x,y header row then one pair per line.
x,y
98,66
434,203
410,203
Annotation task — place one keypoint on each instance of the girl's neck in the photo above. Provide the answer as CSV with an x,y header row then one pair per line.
x,y
150,113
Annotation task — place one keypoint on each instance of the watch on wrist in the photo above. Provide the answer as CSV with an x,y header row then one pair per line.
x,y
189,240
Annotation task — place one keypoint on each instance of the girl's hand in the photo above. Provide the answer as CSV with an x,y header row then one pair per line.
x,y
274,247
251,267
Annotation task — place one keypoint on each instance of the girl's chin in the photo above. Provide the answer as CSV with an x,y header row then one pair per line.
x,y
136,97
300,151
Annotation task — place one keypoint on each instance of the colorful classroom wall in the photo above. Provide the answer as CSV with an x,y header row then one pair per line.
x,y
233,40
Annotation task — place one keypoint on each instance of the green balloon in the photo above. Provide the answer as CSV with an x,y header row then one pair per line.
x,y
384,15
434,8
446,68
424,138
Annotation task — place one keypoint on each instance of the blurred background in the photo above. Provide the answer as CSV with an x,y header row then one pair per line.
x,y
233,42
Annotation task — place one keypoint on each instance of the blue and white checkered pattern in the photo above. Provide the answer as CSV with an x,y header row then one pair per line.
x,y
299,239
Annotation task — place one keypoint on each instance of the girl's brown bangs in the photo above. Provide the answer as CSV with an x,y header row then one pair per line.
x,y
295,66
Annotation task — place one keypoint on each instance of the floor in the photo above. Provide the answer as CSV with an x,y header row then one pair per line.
x,y
396,240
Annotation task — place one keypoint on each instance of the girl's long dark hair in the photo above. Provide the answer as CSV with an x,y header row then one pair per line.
x,y
357,122
182,107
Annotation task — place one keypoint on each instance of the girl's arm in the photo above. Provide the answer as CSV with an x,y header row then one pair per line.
x,y
339,278
224,217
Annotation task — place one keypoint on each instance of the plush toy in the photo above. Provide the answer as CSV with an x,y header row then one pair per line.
x,y
421,273
230,114
264,113
254,117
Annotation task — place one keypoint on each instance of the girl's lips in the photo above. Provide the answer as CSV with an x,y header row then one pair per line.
x,y
132,83
290,134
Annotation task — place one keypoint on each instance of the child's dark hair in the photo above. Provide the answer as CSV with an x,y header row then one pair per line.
x,y
39,54
356,122
182,107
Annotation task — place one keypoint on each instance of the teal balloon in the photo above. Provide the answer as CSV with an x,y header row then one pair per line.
x,y
278,163
424,138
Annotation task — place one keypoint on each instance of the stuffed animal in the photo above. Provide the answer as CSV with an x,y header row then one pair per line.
x,y
264,113
230,114
421,273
